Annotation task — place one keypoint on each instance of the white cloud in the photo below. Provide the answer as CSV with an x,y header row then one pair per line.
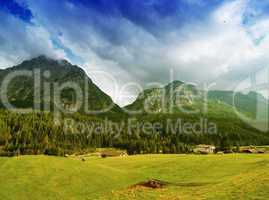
x,y
20,41
219,48
223,47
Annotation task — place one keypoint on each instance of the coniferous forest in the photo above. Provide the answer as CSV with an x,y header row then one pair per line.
x,y
37,133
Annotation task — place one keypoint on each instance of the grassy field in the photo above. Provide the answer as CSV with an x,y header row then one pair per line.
x,y
191,177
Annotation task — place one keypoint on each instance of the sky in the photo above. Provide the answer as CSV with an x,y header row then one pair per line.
x,y
135,43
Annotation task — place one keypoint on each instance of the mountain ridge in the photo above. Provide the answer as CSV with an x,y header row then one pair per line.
x,y
184,94
21,89
242,102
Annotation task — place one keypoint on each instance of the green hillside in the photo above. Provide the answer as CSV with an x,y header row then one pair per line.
x,y
235,176
178,100
179,97
252,103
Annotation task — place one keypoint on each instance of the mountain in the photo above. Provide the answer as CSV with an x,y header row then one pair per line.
x,y
178,97
251,103
184,104
53,74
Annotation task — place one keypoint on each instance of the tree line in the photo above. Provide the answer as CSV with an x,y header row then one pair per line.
x,y
37,133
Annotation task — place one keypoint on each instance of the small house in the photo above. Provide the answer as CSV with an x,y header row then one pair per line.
x,y
249,150
105,154
205,149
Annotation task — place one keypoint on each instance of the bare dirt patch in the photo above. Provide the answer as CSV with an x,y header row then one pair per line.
x,y
152,184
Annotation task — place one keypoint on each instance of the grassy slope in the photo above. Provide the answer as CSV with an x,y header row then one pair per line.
x,y
192,177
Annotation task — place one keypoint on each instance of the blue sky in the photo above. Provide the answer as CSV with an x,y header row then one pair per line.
x,y
140,42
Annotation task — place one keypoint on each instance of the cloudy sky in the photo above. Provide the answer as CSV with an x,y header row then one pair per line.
x,y
134,42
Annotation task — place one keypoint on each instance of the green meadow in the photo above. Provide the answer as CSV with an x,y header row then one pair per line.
x,y
233,176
